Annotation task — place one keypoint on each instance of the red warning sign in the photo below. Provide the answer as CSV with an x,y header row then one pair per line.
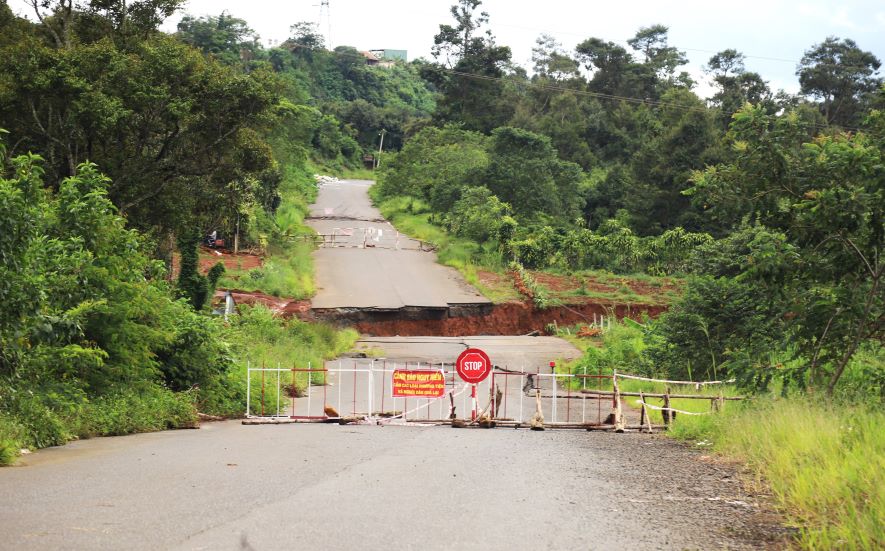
x,y
420,384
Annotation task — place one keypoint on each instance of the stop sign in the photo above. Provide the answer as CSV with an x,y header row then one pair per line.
x,y
473,365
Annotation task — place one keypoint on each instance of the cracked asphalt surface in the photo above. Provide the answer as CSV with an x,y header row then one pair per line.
x,y
391,273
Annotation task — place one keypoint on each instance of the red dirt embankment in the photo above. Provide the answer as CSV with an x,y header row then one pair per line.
x,y
505,319
210,257
232,262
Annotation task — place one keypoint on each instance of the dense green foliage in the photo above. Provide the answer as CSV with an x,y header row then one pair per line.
x,y
763,199
89,328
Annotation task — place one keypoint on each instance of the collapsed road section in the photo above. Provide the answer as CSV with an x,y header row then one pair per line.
x,y
364,264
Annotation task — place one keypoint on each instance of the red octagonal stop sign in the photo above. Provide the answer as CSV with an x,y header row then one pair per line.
x,y
473,365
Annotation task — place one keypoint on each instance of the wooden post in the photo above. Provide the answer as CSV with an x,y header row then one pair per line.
x,y
667,414
642,412
537,420
619,417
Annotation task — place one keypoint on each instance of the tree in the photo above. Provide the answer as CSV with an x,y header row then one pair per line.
x,y
609,63
470,81
436,165
478,215
826,196
227,37
525,172
840,75
174,129
454,43
661,58
551,62
123,18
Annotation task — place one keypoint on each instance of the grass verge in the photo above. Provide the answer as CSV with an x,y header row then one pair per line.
x,y
261,339
824,464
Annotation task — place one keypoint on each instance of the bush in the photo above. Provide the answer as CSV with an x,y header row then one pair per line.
x,y
141,409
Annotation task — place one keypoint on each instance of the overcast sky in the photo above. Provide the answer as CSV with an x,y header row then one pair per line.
x,y
772,33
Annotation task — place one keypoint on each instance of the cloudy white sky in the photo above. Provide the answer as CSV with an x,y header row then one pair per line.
x,y
772,33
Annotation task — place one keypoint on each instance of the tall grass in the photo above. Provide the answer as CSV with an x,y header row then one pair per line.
x,y
41,419
825,464
260,339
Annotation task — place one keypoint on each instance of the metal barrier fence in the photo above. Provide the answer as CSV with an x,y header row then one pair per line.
x,y
364,390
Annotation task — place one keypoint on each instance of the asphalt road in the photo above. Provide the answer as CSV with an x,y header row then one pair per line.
x,y
390,273
230,486
366,487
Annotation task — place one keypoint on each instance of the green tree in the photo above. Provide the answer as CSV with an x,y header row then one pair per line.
x,y
478,215
826,196
436,165
228,38
174,129
525,172
735,85
842,77
470,80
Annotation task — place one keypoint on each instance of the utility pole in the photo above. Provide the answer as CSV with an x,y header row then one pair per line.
x,y
380,147
237,236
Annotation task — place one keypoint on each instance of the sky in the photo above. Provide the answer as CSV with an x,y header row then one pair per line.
x,y
773,34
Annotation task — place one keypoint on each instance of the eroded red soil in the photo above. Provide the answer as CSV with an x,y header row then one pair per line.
x,y
241,261
505,319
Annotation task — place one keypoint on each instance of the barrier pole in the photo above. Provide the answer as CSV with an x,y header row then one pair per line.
x,y
383,384
521,386
555,400
340,378
308,388
278,389
353,406
493,395
369,390
292,389
473,399
584,401
262,389
538,382
568,401
443,397
599,398
248,388
506,381
325,401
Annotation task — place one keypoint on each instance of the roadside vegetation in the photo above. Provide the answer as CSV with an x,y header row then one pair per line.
x,y
821,459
